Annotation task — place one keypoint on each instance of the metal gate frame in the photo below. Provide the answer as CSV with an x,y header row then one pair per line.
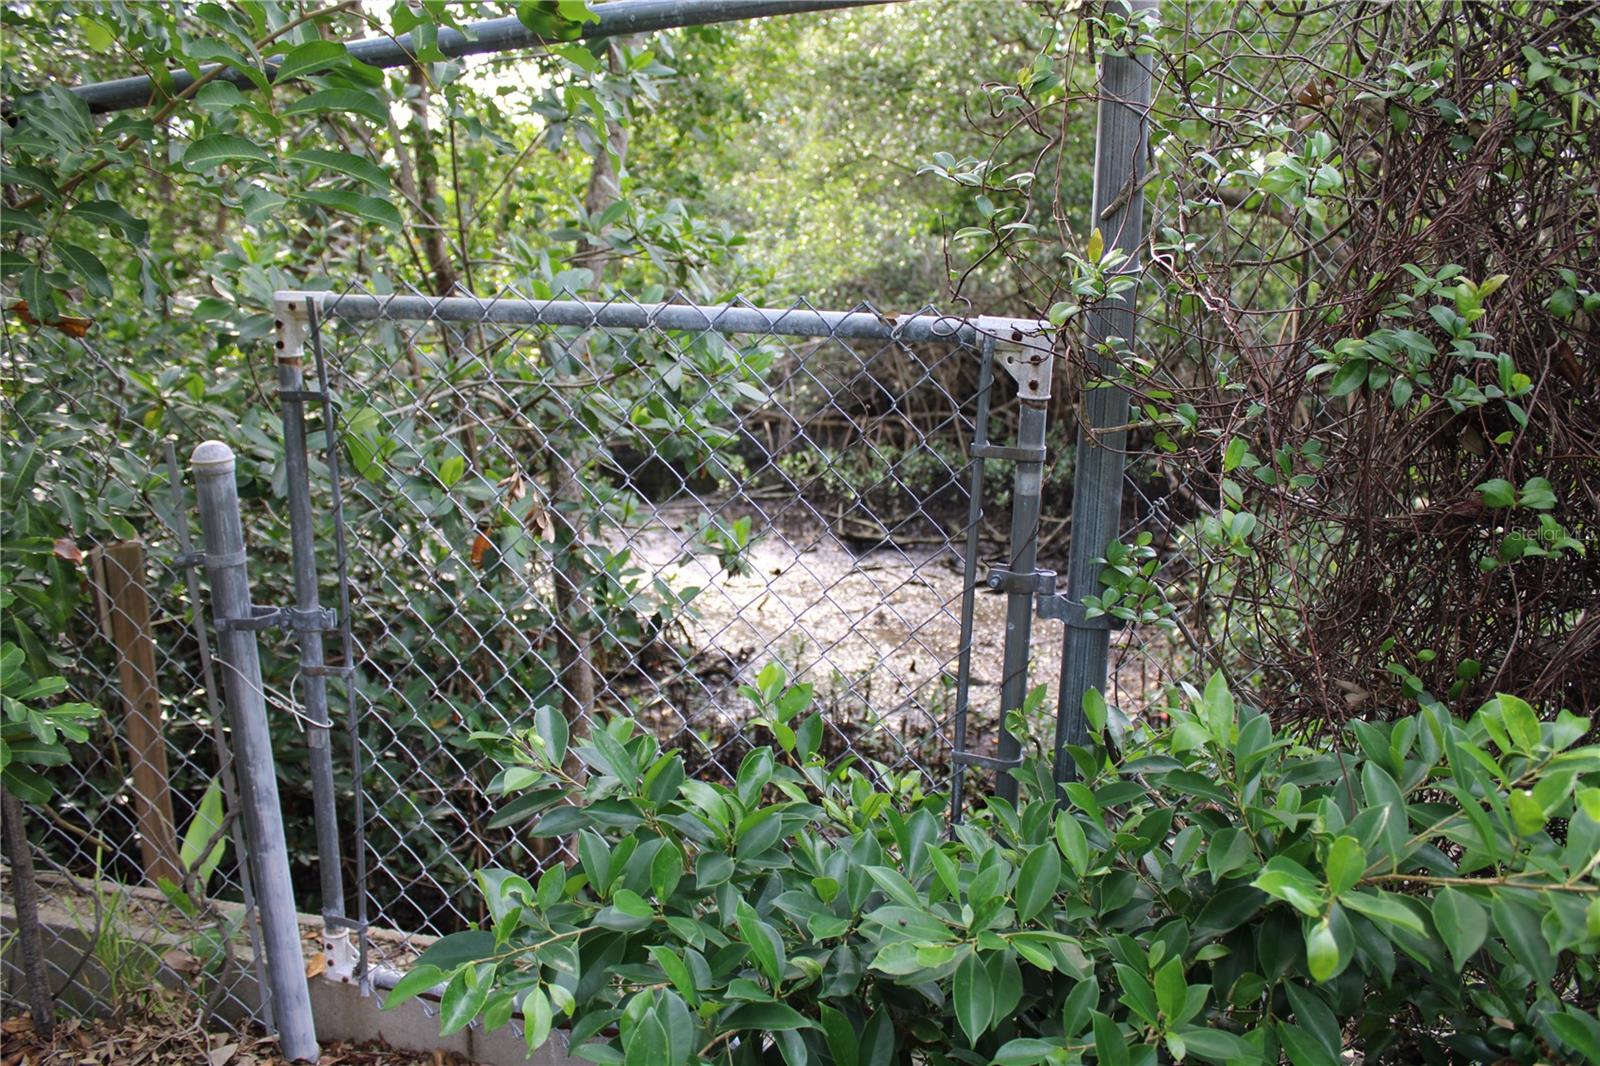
x,y
1023,348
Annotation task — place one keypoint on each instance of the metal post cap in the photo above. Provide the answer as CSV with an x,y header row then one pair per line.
x,y
212,457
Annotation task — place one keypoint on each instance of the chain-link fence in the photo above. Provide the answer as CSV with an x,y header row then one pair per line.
x,y
632,509
136,849
617,508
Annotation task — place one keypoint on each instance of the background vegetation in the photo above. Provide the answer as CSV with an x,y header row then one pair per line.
x,y
1366,383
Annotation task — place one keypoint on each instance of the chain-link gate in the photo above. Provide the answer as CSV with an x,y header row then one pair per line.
x,y
623,508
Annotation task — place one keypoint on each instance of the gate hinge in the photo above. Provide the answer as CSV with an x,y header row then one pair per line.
x,y
316,620
302,396
990,762
329,671
1006,451
188,560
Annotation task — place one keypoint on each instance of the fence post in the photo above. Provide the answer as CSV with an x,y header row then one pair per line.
x,y
292,321
234,617
1118,212
126,606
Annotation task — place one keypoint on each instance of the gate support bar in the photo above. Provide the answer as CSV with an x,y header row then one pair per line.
x,y
1029,340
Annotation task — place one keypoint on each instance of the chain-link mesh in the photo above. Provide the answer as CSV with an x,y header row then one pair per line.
x,y
1237,258
622,516
108,604
631,513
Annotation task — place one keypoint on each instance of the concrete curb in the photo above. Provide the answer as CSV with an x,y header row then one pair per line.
x,y
142,915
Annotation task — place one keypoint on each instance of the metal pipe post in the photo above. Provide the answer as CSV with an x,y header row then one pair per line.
x,y
313,667
233,615
1019,606
1119,171
618,19
219,740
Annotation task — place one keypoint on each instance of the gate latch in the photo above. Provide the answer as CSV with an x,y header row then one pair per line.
x,y
1041,583
1075,615
316,620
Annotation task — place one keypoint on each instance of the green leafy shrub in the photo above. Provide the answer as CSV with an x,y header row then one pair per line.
x,y
35,728
1222,893
37,593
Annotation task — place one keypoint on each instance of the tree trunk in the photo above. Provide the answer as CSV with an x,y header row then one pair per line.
x,y
25,898
421,172
575,646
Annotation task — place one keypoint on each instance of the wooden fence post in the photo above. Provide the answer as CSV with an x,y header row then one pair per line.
x,y
125,604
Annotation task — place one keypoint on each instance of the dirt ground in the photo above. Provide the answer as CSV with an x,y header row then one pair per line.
x,y
165,1041
875,628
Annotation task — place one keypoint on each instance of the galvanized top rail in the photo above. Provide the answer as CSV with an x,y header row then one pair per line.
x,y
920,326
617,19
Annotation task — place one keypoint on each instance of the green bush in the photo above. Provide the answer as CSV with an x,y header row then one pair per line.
x,y
1221,893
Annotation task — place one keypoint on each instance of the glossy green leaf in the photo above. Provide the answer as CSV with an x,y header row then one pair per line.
x,y
417,980
1287,880
1498,493
113,215
1518,923
456,949
1461,922
220,149
1095,711
766,946
843,1041
369,208
309,58
1110,1046
1219,1046
350,101
1218,705
1385,908
550,726
1073,843
766,1017
536,1018
1322,951
1024,1051
1037,881
463,997
1578,1029
205,828
87,266
1346,863
352,166
1172,991
973,997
